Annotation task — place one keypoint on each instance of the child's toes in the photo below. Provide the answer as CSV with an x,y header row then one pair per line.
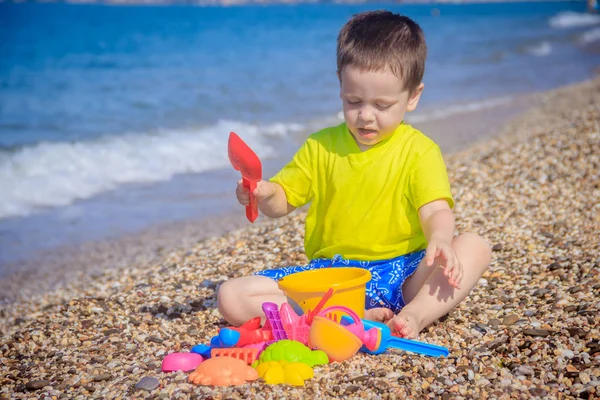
x,y
406,325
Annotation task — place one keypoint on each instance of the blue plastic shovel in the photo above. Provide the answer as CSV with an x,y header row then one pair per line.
x,y
389,341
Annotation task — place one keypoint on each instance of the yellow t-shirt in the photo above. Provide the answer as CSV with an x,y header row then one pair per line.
x,y
364,203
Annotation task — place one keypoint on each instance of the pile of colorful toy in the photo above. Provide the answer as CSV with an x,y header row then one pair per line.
x,y
288,346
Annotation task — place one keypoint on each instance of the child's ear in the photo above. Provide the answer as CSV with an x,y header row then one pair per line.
x,y
414,98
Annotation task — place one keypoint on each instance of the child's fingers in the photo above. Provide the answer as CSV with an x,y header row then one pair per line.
x,y
448,262
264,190
430,254
455,274
242,194
459,277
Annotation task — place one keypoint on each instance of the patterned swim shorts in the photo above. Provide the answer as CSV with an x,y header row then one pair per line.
x,y
387,276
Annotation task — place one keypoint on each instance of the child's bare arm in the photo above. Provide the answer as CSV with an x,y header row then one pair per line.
x,y
437,222
272,200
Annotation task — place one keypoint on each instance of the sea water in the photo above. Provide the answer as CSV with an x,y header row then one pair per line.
x,y
113,119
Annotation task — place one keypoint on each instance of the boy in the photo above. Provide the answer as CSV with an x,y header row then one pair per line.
x,y
379,191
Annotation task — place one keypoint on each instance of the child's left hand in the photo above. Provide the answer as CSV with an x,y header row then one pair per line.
x,y
442,253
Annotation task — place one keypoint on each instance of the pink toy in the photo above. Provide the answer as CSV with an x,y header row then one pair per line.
x,y
181,362
295,326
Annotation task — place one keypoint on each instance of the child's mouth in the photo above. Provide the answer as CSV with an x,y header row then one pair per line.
x,y
367,133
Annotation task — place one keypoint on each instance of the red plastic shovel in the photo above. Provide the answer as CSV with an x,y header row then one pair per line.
x,y
247,162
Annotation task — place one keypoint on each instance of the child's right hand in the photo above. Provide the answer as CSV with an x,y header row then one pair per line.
x,y
264,190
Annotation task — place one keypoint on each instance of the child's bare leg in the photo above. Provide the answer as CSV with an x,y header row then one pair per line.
x,y
429,295
240,299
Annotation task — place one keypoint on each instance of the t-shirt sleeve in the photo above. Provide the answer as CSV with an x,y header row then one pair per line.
x,y
296,178
429,179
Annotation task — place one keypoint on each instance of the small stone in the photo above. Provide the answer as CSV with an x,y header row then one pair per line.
x,y
576,332
494,322
481,328
572,371
554,266
537,392
482,382
524,370
566,353
381,386
380,373
361,378
87,323
102,377
510,319
155,339
497,247
352,389
393,375
575,289
584,378
37,384
536,332
147,383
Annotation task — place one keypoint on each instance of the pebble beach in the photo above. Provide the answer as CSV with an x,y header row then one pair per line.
x,y
530,329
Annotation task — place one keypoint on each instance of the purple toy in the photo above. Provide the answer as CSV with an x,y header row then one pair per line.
x,y
274,319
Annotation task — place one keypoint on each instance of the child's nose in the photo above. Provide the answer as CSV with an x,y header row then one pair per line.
x,y
366,114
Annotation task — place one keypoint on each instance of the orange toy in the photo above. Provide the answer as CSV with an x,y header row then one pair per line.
x,y
223,371
248,354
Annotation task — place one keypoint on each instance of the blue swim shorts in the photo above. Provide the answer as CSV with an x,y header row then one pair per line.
x,y
387,276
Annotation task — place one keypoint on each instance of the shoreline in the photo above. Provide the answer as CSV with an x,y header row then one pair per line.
x,y
530,328
51,269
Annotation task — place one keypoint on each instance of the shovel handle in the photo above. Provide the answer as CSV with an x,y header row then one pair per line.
x,y
252,208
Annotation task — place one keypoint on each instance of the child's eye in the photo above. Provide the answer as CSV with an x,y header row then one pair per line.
x,y
353,102
383,106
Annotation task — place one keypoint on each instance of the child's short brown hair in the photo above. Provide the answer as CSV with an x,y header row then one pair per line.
x,y
376,40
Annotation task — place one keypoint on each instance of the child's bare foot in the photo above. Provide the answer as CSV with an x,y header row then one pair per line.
x,y
407,324
379,314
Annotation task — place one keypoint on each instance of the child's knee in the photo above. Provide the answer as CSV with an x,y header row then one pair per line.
x,y
228,293
476,245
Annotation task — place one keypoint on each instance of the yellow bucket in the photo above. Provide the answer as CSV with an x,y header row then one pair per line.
x,y
306,288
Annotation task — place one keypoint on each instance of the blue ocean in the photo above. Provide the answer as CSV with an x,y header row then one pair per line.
x,y
116,118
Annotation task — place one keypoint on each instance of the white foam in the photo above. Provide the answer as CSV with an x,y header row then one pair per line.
x,y
570,19
540,50
457,109
593,35
56,174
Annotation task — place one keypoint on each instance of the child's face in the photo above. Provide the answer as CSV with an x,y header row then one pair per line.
x,y
374,104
